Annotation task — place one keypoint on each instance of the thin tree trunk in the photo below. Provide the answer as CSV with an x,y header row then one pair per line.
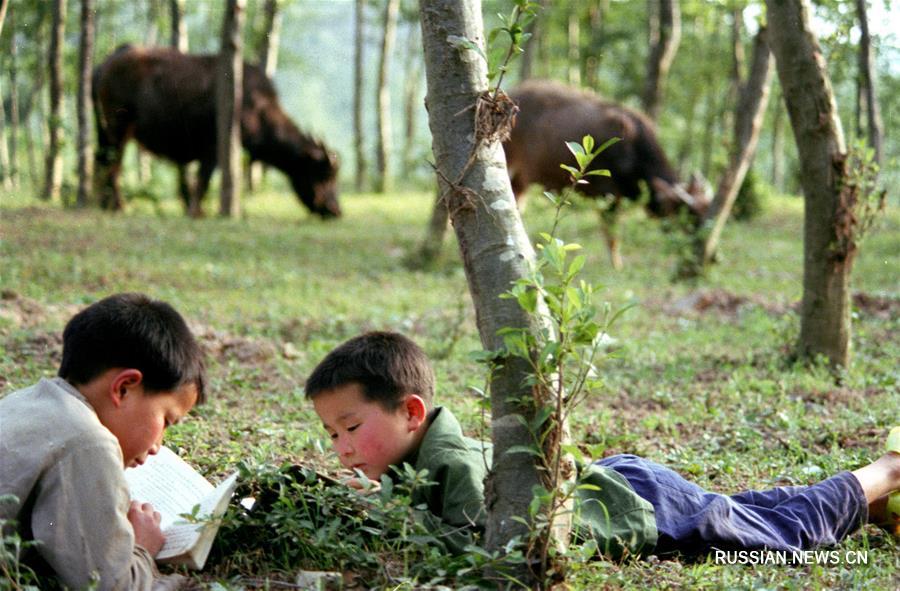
x,y
53,164
533,44
5,168
144,161
14,118
828,241
411,97
85,65
665,35
574,49
228,112
597,19
383,110
867,83
778,144
272,41
748,118
494,247
358,92
268,62
4,5
179,33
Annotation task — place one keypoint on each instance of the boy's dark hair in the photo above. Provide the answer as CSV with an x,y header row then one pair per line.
x,y
130,330
386,365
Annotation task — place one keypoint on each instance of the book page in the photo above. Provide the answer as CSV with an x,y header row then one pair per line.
x,y
169,483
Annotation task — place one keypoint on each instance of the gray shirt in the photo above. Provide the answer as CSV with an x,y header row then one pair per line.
x,y
66,471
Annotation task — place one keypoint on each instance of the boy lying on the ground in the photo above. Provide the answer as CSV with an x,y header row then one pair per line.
x,y
374,397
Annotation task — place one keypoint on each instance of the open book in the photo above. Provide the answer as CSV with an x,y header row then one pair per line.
x,y
173,487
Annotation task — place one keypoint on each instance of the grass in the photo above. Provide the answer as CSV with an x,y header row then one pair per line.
x,y
702,380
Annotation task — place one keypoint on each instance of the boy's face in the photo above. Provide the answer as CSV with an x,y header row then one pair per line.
x,y
365,435
139,419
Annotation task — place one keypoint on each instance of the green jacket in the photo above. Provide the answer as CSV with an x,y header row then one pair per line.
x,y
615,516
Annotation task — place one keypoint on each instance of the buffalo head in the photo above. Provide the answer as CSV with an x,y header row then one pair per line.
x,y
315,182
668,199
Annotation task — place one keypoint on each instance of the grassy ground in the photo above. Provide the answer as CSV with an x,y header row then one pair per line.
x,y
702,380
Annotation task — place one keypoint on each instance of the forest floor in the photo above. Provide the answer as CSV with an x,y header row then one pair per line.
x,y
701,380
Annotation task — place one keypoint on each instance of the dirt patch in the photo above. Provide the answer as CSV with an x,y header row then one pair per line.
x,y
884,308
224,347
715,301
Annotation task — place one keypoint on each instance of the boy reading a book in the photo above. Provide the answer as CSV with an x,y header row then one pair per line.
x,y
374,397
130,368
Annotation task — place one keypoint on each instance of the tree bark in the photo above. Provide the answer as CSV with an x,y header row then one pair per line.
x,y
383,110
748,117
867,83
268,62
53,163
272,38
358,92
179,33
410,98
14,118
5,168
494,247
597,20
85,65
574,49
828,247
533,44
4,6
228,112
778,144
665,34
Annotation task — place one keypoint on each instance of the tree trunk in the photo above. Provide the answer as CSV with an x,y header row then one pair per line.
x,y
748,117
574,49
532,44
14,118
5,168
53,164
665,34
272,39
867,83
358,53
4,6
179,34
597,19
411,98
228,110
85,65
144,166
383,110
494,247
828,247
268,61
778,144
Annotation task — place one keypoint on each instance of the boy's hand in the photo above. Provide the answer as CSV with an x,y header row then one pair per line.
x,y
145,522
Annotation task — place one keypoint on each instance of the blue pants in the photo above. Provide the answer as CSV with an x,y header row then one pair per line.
x,y
691,520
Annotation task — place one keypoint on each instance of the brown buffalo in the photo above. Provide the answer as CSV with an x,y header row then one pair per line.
x,y
166,100
551,114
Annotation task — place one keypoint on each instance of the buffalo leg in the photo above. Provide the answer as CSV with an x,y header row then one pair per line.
x,y
195,208
108,164
609,227
184,189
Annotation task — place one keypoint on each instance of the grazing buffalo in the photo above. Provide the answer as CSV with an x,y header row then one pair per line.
x,y
166,100
551,114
